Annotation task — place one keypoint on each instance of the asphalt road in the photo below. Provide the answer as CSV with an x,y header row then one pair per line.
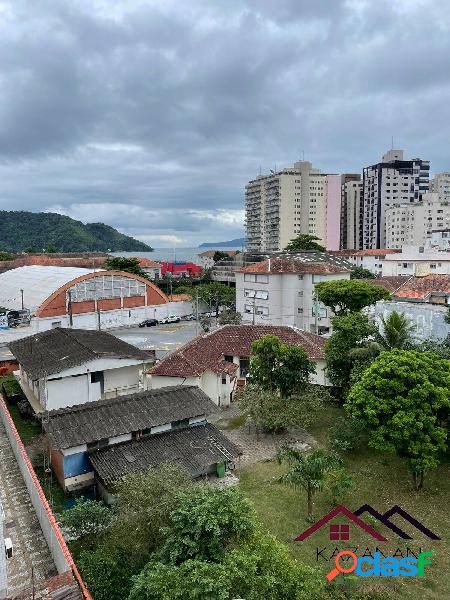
x,y
164,339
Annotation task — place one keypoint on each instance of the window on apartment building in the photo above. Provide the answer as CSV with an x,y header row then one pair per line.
x,y
432,265
262,310
262,279
248,308
249,293
249,277
262,295
224,379
300,311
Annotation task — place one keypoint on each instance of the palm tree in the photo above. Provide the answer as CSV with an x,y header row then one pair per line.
x,y
307,471
397,331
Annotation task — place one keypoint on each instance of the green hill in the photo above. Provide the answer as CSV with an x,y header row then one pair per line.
x,y
20,230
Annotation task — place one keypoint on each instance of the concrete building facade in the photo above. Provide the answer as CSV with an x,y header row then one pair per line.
x,y
389,182
284,204
281,290
412,224
416,261
351,212
440,184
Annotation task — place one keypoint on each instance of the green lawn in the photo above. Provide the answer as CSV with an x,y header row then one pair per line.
x,y
28,429
382,480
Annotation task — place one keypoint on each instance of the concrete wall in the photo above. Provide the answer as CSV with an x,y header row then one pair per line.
x,y
52,534
428,319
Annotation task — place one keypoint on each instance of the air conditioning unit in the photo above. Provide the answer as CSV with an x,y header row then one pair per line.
x,y
8,547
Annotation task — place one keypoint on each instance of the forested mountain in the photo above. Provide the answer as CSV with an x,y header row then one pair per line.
x,y
20,230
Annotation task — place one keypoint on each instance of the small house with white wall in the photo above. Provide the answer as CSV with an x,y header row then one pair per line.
x,y
132,434
65,367
218,362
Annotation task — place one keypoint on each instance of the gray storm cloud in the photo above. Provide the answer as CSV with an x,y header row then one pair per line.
x,y
169,109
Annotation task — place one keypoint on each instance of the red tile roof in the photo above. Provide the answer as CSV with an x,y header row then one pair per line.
x,y
179,297
413,287
391,283
146,262
207,351
422,287
285,265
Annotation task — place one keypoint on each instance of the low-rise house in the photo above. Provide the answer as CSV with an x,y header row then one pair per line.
x,y
97,443
218,361
424,300
281,290
65,367
207,257
150,267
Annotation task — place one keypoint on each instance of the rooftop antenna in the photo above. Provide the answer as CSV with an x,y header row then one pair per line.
x,y
303,155
392,142
259,170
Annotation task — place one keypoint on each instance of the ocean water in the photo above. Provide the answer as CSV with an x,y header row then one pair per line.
x,y
171,254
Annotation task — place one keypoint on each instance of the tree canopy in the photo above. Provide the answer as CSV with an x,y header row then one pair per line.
x,y
349,332
122,263
362,273
344,296
275,365
216,294
404,400
220,255
305,242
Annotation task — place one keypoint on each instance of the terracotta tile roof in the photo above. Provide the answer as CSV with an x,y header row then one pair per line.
x,y
290,265
207,351
368,252
146,262
390,283
422,287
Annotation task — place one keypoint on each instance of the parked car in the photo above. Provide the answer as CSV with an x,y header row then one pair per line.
x,y
189,318
170,319
149,323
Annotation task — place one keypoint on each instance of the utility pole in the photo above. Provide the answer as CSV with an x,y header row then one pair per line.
x,y
253,311
99,317
196,310
69,306
316,313
21,292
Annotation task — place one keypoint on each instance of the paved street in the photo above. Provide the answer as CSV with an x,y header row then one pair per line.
x,y
164,339
21,525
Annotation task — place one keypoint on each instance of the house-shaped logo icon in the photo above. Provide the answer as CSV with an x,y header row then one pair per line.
x,y
340,532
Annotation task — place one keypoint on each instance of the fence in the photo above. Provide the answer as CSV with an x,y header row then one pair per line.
x,y
62,558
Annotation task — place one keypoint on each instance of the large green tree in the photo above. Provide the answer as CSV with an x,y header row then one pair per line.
x,y
344,296
304,242
216,295
129,265
275,365
350,332
271,412
308,471
404,400
205,522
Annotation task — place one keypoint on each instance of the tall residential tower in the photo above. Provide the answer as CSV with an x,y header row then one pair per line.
x,y
389,182
284,204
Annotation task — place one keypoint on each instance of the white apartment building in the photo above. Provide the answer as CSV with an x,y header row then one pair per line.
x,y
367,259
389,182
416,261
351,212
440,184
281,290
411,224
440,239
284,204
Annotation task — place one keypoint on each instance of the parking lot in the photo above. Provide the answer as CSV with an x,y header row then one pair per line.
x,y
164,339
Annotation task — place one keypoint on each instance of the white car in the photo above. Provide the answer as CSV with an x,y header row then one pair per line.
x,y
170,319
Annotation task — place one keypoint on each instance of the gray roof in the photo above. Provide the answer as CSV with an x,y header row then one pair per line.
x,y
194,448
55,350
93,421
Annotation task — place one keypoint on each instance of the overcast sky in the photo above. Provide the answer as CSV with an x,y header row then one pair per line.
x,y
152,115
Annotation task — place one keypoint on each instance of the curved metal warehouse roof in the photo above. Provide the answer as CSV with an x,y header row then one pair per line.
x,y
37,283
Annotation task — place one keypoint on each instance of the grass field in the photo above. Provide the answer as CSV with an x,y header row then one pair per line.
x,y
381,480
